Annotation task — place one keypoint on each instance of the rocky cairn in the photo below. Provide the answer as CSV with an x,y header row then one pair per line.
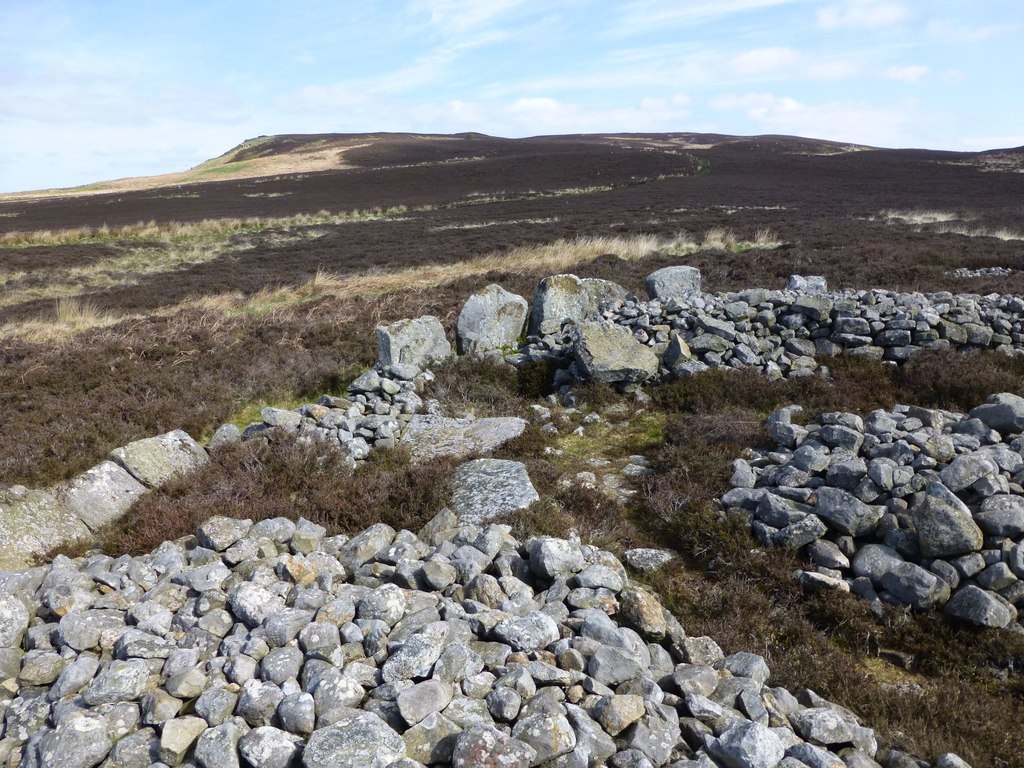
x,y
915,507
273,645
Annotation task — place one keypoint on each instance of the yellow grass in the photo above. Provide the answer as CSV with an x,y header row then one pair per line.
x,y
920,216
1003,233
546,258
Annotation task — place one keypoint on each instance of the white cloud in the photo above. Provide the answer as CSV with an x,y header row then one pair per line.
x,y
641,16
862,14
910,73
763,61
838,120
950,31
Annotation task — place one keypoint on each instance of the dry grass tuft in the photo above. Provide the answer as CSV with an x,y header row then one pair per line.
x,y
71,316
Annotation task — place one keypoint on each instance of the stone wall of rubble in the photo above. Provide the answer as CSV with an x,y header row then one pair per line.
x,y
915,507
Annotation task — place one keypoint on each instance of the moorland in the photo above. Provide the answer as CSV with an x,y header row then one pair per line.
x,y
141,306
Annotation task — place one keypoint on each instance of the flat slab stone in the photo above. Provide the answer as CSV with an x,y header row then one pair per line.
x,y
31,524
430,437
608,353
155,460
484,489
100,495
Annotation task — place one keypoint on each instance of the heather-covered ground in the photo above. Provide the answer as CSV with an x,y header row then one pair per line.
x,y
131,313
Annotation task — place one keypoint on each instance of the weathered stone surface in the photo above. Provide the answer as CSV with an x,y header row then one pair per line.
x,y
608,353
31,524
1003,412
492,319
549,734
356,740
483,746
559,299
845,512
944,524
155,460
484,489
746,744
100,495
673,282
420,342
431,437
1002,515
979,606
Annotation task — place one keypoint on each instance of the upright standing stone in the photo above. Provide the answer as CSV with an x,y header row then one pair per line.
x,y
491,319
419,342
559,299
673,282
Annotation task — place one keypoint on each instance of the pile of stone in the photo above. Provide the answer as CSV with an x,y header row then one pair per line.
x,y
982,272
34,521
915,506
681,330
274,645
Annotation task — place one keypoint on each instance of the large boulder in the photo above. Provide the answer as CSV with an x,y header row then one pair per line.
x,y
31,524
1003,412
429,437
418,342
100,495
608,353
979,606
600,291
673,282
155,460
559,299
944,524
491,319
484,489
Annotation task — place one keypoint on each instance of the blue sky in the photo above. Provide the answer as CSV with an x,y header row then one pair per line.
x,y
94,90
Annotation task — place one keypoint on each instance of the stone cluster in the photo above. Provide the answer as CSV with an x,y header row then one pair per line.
x,y
915,506
274,645
782,333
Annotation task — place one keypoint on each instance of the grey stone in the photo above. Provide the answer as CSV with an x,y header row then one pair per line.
x,y
608,353
845,512
33,522
967,469
484,489
821,725
100,495
269,747
558,299
80,741
430,437
14,619
420,342
217,747
673,282
226,434
1002,412
483,746
432,740
117,681
944,524
491,319
549,734
423,699
356,740
612,666
644,560
979,606
1002,515
178,736
155,460
531,632
745,744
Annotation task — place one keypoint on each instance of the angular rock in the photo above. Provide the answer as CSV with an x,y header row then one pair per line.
x,y
979,606
944,524
356,740
420,342
155,460
492,319
845,512
31,524
1003,412
483,746
100,495
673,282
430,437
484,489
608,353
559,299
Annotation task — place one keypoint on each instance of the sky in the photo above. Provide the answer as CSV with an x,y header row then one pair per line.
x,y
100,89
